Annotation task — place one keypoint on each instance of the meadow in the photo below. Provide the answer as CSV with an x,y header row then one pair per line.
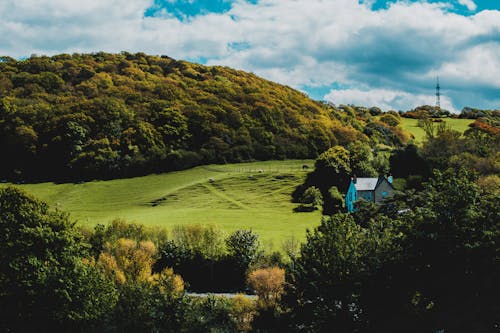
x,y
411,125
232,196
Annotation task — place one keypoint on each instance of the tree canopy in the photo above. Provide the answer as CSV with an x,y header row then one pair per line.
x,y
46,281
432,266
101,115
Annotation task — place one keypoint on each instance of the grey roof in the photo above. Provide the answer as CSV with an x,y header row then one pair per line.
x,y
366,184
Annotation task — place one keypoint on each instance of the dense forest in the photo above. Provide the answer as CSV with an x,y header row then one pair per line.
x,y
86,116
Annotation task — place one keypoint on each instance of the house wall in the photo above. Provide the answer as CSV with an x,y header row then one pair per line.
x,y
384,186
367,195
351,197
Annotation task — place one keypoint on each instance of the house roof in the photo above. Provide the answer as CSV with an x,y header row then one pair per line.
x,y
366,184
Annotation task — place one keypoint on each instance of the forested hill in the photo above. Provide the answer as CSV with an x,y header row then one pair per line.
x,y
102,115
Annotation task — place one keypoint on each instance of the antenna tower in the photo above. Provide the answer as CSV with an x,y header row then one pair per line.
x,y
438,93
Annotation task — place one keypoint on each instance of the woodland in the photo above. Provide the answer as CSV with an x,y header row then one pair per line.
x,y
100,116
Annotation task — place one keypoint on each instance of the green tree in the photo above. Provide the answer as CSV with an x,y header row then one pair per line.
x,y
452,253
327,283
312,196
334,166
390,119
338,202
45,282
361,159
210,314
440,144
203,239
243,246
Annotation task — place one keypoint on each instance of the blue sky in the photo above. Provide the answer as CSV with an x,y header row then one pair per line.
x,y
365,52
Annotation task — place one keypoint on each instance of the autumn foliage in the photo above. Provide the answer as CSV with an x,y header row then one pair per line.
x,y
268,284
86,116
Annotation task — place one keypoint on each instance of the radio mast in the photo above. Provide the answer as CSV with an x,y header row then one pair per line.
x,y
438,93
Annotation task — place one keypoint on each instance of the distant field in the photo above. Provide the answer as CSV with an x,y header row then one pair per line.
x,y
231,196
411,125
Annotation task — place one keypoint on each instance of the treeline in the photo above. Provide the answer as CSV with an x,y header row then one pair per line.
x,y
430,111
85,116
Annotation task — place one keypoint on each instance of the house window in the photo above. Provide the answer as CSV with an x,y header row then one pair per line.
x,y
384,194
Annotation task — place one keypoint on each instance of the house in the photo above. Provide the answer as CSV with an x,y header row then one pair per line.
x,y
369,189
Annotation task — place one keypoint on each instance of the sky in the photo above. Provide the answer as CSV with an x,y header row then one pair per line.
x,y
362,52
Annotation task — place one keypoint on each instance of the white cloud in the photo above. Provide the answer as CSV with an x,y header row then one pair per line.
x,y
298,43
470,4
385,99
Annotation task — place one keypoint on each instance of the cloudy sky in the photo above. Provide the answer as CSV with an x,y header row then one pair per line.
x,y
366,52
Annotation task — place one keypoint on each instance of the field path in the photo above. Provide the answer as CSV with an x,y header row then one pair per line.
x,y
224,196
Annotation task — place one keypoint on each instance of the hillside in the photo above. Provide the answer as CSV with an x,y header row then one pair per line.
x,y
232,196
99,116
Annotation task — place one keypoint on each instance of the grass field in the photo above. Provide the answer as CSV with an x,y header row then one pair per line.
x,y
411,125
231,196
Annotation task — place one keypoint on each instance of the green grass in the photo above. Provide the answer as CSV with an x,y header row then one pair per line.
x,y
232,196
411,125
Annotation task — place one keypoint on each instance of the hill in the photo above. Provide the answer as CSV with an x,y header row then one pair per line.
x,y
101,116
233,196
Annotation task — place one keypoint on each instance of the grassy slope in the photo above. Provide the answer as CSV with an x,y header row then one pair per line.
x,y
411,125
238,197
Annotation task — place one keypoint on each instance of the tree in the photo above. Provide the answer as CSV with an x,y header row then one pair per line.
x,y
203,239
147,301
364,211
243,311
408,161
268,284
390,119
243,246
326,286
312,196
361,159
440,144
334,164
337,199
210,314
375,111
45,280
452,252
127,259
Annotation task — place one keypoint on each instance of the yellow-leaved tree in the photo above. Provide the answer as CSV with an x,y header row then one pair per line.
x,y
268,283
129,260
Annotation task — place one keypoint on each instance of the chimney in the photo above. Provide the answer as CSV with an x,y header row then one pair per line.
x,y
354,179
